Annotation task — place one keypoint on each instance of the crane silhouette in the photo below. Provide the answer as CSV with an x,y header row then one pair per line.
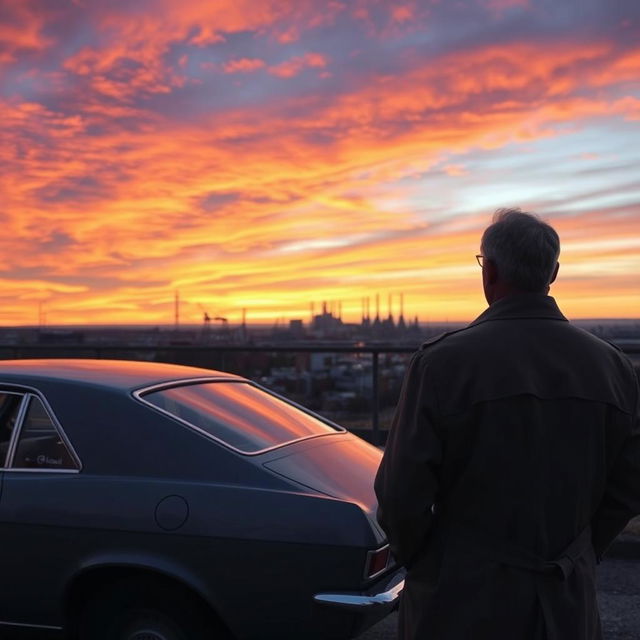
x,y
206,318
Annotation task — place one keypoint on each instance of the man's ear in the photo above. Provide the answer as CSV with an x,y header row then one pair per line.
x,y
491,271
555,273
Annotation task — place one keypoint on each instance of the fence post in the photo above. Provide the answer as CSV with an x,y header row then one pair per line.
x,y
375,436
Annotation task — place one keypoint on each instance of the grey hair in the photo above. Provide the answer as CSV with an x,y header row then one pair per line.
x,y
524,248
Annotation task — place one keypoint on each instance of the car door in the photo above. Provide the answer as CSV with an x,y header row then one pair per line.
x,y
37,458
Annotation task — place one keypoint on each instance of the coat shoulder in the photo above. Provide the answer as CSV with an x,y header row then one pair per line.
x,y
427,344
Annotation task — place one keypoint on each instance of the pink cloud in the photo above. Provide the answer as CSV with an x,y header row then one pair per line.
x,y
21,29
403,12
290,35
243,65
294,66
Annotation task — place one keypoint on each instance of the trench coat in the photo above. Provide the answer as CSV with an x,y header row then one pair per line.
x,y
512,463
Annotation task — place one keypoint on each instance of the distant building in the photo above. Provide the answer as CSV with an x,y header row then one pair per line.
x,y
296,329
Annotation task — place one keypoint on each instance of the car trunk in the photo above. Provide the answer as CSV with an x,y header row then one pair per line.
x,y
341,466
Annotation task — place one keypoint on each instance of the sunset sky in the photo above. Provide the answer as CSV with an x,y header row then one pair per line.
x,y
266,154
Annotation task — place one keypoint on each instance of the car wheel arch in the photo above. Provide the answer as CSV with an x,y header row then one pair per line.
x,y
93,579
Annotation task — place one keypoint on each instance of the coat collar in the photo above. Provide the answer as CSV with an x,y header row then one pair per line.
x,y
521,306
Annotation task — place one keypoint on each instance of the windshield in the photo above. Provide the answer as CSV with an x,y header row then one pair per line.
x,y
241,415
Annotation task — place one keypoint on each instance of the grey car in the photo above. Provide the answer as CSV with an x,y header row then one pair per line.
x,y
147,501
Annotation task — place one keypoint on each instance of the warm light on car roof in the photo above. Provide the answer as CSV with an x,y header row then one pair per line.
x,y
125,374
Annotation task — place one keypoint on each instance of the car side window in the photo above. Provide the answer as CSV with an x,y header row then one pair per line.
x,y
40,445
9,409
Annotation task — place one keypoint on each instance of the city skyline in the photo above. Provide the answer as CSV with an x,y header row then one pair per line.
x,y
263,154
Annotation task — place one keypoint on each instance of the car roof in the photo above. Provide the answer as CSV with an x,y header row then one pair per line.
x,y
116,374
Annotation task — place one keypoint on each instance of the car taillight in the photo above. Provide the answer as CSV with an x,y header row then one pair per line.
x,y
377,561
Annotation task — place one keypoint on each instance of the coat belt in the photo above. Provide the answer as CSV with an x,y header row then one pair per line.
x,y
514,556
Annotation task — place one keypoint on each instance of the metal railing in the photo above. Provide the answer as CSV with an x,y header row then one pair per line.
x,y
169,352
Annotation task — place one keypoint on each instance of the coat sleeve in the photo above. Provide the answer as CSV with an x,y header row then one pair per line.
x,y
407,480
621,500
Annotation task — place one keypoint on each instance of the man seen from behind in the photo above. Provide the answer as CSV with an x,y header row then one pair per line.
x,y
513,460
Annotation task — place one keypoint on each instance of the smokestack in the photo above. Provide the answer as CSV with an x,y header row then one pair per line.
x,y
401,323
176,309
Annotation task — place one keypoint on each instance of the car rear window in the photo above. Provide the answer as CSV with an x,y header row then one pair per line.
x,y
241,415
